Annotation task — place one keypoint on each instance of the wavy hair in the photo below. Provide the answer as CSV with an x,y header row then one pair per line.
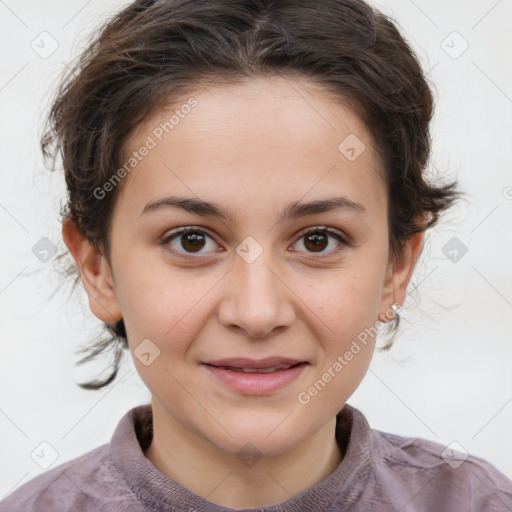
x,y
151,52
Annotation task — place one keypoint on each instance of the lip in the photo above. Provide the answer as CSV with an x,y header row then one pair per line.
x,y
242,362
256,383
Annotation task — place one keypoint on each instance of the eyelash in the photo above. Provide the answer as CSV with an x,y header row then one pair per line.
x,y
317,229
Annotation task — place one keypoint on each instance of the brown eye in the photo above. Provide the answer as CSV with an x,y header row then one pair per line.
x,y
318,240
189,241
192,241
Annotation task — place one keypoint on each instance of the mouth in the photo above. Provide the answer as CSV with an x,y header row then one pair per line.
x,y
271,369
250,377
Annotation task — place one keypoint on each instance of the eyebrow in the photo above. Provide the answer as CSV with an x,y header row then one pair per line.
x,y
293,211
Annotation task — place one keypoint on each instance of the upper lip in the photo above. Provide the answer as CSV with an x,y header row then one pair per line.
x,y
242,362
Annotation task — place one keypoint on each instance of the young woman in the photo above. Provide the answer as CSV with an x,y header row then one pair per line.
x,y
247,201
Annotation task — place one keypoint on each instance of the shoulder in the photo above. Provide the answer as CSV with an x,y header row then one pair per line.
x,y
81,484
429,472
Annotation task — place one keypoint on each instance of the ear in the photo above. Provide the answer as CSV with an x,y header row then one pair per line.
x,y
398,276
95,271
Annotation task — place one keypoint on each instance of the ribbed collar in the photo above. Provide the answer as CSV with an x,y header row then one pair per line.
x,y
133,435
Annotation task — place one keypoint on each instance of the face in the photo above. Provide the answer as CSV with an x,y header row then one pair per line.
x,y
266,279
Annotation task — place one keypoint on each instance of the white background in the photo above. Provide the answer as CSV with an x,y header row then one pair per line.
x,y
449,377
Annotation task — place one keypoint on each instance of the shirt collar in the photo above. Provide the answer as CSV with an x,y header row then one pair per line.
x,y
134,433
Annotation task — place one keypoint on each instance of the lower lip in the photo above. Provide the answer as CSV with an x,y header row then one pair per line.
x,y
256,383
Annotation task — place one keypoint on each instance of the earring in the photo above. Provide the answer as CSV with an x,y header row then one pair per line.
x,y
384,317
396,307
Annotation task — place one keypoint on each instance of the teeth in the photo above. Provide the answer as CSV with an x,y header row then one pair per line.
x,y
258,370
270,370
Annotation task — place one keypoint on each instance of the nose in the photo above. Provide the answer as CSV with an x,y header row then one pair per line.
x,y
256,298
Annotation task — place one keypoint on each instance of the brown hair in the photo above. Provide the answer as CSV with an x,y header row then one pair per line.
x,y
153,51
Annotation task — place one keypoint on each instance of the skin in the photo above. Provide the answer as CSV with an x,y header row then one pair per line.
x,y
254,147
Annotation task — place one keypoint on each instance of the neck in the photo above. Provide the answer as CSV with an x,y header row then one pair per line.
x,y
221,478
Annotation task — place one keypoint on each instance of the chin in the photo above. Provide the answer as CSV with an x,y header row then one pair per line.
x,y
264,439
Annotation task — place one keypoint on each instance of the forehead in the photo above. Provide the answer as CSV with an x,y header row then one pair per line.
x,y
276,138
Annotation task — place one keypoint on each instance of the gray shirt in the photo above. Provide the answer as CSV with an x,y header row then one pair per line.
x,y
379,472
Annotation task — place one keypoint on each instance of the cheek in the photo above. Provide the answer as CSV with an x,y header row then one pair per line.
x,y
160,304
347,329
348,300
